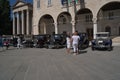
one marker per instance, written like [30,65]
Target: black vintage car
[102,41]
[56,41]
[40,40]
[28,43]
[84,41]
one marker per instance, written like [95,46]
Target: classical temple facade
[22,18]
[47,16]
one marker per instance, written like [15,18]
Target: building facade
[90,16]
[22,18]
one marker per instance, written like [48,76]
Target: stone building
[22,18]
[90,16]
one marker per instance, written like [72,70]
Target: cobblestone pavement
[55,64]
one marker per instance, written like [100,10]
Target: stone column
[56,28]
[18,23]
[44,26]
[13,23]
[94,27]
[28,29]
[73,26]
[23,31]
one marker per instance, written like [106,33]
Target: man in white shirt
[75,42]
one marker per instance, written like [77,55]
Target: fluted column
[28,29]
[13,23]
[23,23]
[94,27]
[18,23]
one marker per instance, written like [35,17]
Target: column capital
[73,22]
[27,12]
[55,23]
[94,20]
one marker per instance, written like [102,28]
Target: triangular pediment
[19,3]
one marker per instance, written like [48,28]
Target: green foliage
[5,21]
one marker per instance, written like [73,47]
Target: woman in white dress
[68,42]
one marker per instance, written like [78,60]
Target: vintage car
[56,41]
[28,44]
[84,42]
[8,40]
[102,41]
[27,41]
[40,40]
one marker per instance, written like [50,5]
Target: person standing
[1,42]
[68,43]
[75,41]
[14,41]
[7,44]
[18,43]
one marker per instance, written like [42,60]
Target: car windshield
[41,36]
[102,35]
[57,37]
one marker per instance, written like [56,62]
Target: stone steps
[116,39]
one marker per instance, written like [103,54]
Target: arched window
[108,29]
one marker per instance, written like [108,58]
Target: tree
[5,20]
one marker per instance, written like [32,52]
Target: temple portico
[22,18]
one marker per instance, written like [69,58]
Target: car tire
[109,48]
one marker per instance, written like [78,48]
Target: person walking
[75,41]
[18,43]
[68,43]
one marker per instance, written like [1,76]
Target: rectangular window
[64,3]
[38,3]
[49,2]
